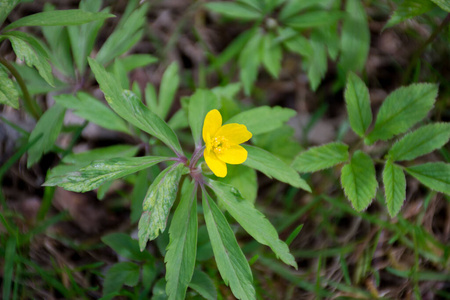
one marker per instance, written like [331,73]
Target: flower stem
[196,156]
[28,102]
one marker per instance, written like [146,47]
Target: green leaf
[263,119]
[203,285]
[200,103]
[101,154]
[293,7]
[59,18]
[249,61]
[33,56]
[444,4]
[8,266]
[272,54]
[129,107]
[244,179]
[234,10]
[420,142]
[92,110]
[119,274]
[96,173]
[48,127]
[272,166]
[134,61]
[314,19]
[321,157]
[402,109]
[359,180]
[157,204]
[407,10]
[252,220]
[6,6]
[125,246]
[296,43]
[8,92]
[182,248]
[394,187]
[231,262]
[436,175]
[355,37]
[317,63]
[167,90]
[357,101]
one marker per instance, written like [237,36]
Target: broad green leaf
[272,166]
[6,6]
[48,127]
[355,37]
[8,92]
[403,108]
[182,248]
[92,110]
[272,54]
[32,56]
[234,10]
[357,101]
[200,103]
[129,107]
[317,63]
[101,154]
[252,220]
[167,90]
[407,10]
[96,173]
[359,180]
[420,142]
[244,179]
[59,18]
[321,157]
[249,61]
[436,175]
[119,274]
[157,204]
[314,19]
[203,285]
[121,74]
[444,4]
[231,262]
[263,119]
[125,246]
[394,187]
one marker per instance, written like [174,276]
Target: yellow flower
[222,143]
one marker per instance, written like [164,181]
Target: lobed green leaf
[101,154]
[402,109]
[407,10]
[394,187]
[231,262]
[119,274]
[252,220]
[8,92]
[357,101]
[321,157]
[420,142]
[435,175]
[359,180]
[125,246]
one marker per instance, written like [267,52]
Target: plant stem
[28,102]
[196,156]
[420,50]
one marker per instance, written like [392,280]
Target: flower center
[220,144]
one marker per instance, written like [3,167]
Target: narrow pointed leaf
[252,220]
[359,181]
[128,106]
[231,262]
[444,4]
[314,19]
[358,104]
[394,187]
[182,249]
[407,10]
[169,86]
[6,6]
[321,157]
[8,92]
[402,109]
[157,204]
[263,119]
[272,166]
[420,142]
[203,284]
[436,175]
[200,103]
[234,10]
[96,173]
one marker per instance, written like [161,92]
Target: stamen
[220,144]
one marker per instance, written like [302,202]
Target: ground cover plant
[275,149]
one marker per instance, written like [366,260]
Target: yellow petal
[218,167]
[211,125]
[234,155]
[234,133]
